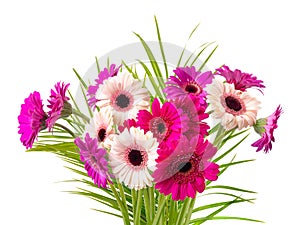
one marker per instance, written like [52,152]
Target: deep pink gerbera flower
[103,75]
[265,127]
[185,171]
[58,104]
[188,82]
[195,112]
[31,119]
[241,80]
[165,123]
[94,158]
[127,124]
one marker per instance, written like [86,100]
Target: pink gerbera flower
[185,171]
[95,160]
[265,127]
[32,119]
[188,82]
[241,80]
[103,75]
[195,112]
[165,123]
[59,105]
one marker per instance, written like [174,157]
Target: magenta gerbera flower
[95,160]
[165,123]
[103,75]
[59,105]
[241,80]
[31,119]
[195,112]
[188,82]
[265,127]
[183,174]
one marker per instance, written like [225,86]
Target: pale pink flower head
[265,127]
[188,82]
[185,172]
[124,95]
[103,75]
[132,157]
[58,104]
[32,119]
[94,158]
[241,80]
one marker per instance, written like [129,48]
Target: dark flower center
[135,157]
[233,103]
[101,134]
[161,127]
[191,88]
[122,101]
[184,167]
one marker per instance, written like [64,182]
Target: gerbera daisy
[195,112]
[101,127]
[265,127]
[166,123]
[184,172]
[125,95]
[132,156]
[127,124]
[241,80]
[94,158]
[234,107]
[59,105]
[103,75]
[188,82]
[32,119]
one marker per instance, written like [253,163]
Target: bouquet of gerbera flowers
[152,142]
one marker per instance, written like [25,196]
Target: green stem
[161,205]
[137,213]
[190,211]
[147,204]
[66,129]
[81,115]
[183,211]
[151,203]
[120,186]
[172,211]
[125,215]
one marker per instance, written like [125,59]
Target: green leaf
[236,163]
[226,218]
[80,79]
[97,64]
[208,57]
[229,188]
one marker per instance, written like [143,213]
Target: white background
[41,41]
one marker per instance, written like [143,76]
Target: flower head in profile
[188,82]
[165,122]
[103,75]
[32,119]
[125,95]
[132,157]
[94,158]
[58,104]
[241,80]
[101,127]
[234,107]
[183,174]
[265,127]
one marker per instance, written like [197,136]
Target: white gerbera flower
[101,127]
[132,156]
[125,95]
[234,107]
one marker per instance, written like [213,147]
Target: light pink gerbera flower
[59,105]
[125,95]
[265,127]
[101,127]
[234,107]
[103,75]
[241,80]
[188,82]
[183,174]
[94,158]
[132,157]
[165,123]
[32,119]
